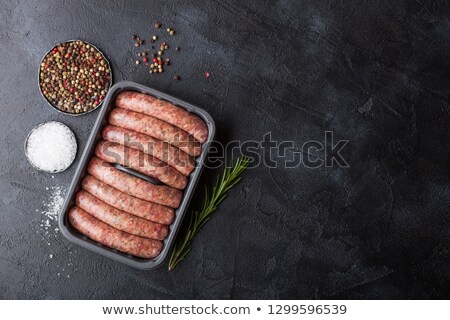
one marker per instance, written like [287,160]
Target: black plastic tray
[76,237]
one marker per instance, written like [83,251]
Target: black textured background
[375,72]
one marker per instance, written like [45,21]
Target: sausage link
[142,162]
[122,201]
[119,219]
[131,185]
[113,238]
[154,147]
[156,128]
[163,110]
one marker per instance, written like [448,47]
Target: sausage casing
[131,185]
[159,149]
[142,162]
[103,233]
[163,110]
[120,219]
[125,202]
[155,128]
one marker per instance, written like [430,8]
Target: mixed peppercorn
[154,54]
[155,57]
[74,77]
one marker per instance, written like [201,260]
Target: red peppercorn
[96,102]
[155,60]
[54,50]
[72,89]
[206,74]
[160,62]
[67,56]
[145,59]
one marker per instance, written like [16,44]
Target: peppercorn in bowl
[74,77]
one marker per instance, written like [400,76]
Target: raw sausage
[120,200]
[142,162]
[113,238]
[131,185]
[154,147]
[156,128]
[163,110]
[119,219]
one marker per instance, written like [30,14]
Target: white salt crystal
[51,147]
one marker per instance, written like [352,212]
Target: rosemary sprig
[229,178]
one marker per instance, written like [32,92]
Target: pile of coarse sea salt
[51,147]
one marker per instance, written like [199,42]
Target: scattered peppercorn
[155,62]
[74,77]
[206,74]
[138,41]
[177,77]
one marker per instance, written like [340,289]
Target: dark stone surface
[374,73]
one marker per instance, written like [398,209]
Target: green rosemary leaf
[229,178]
